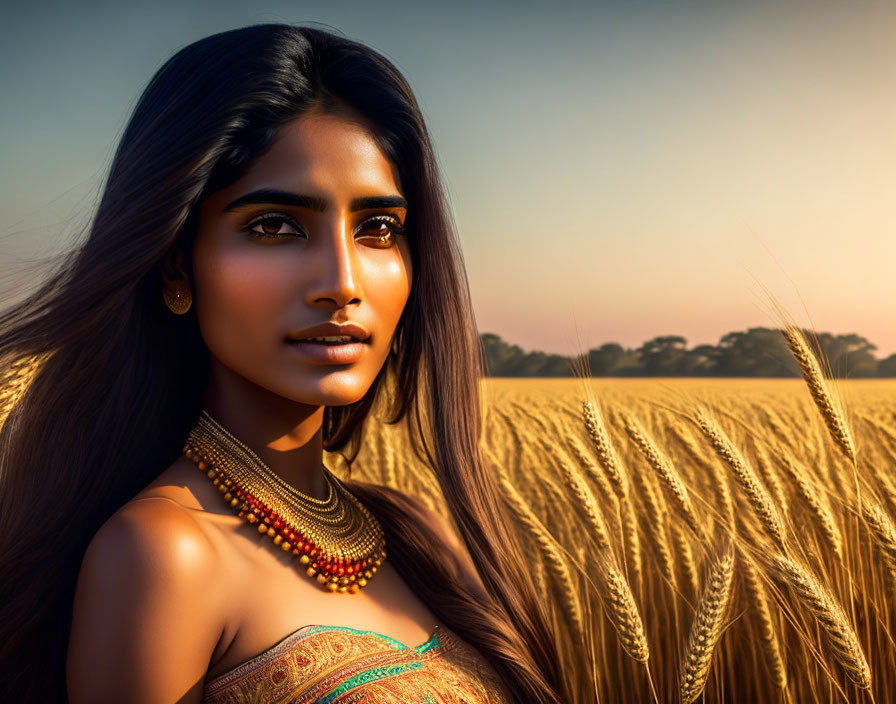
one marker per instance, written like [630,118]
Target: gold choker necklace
[338,538]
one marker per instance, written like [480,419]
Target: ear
[173,269]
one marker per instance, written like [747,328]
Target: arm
[144,624]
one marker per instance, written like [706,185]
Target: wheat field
[730,540]
[714,540]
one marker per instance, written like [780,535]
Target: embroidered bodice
[339,665]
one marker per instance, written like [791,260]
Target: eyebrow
[268,195]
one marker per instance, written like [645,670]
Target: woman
[274,184]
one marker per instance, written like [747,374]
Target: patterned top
[342,665]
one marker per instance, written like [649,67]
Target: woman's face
[310,234]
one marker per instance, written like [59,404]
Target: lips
[328,352]
[357,332]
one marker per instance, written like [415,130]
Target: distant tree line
[758,352]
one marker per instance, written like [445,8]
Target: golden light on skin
[250,293]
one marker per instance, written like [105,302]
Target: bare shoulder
[144,624]
[152,534]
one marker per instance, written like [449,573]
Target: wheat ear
[584,460]
[768,632]
[623,611]
[817,503]
[603,448]
[756,494]
[825,400]
[710,469]
[829,615]
[770,476]
[883,532]
[656,526]
[582,494]
[686,553]
[14,381]
[556,565]
[664,470]
[632,548]
[707,627]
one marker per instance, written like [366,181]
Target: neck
[287,436]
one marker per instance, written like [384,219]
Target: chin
[331,391]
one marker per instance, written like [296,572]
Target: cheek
[237,296]
[387,287]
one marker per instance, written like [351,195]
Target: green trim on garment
[377,673]
[422,648]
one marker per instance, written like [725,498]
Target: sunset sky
[617,171]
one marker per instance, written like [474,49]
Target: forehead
[324,153]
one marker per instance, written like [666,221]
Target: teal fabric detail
[431,643]
[422,648]
[376,673]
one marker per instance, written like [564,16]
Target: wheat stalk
[603,448]
[768,632]
[756,494]
[709,469]
[829,615]
[15,378]
[686,555]
[653,517]
[556,564]
[825,400]
[770,476]
[664,470]
[707,627]
[582,493]
[632,547]
[883,532]
[816,503]
[624,612]
[589,468]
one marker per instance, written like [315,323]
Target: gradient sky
[616,171]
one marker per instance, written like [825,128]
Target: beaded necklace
[337,538]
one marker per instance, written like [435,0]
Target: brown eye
[381,231]
[270,227]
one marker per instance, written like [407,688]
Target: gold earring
[178,297]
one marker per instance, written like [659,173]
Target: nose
[338,280]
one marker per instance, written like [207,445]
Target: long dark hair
[115,381]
